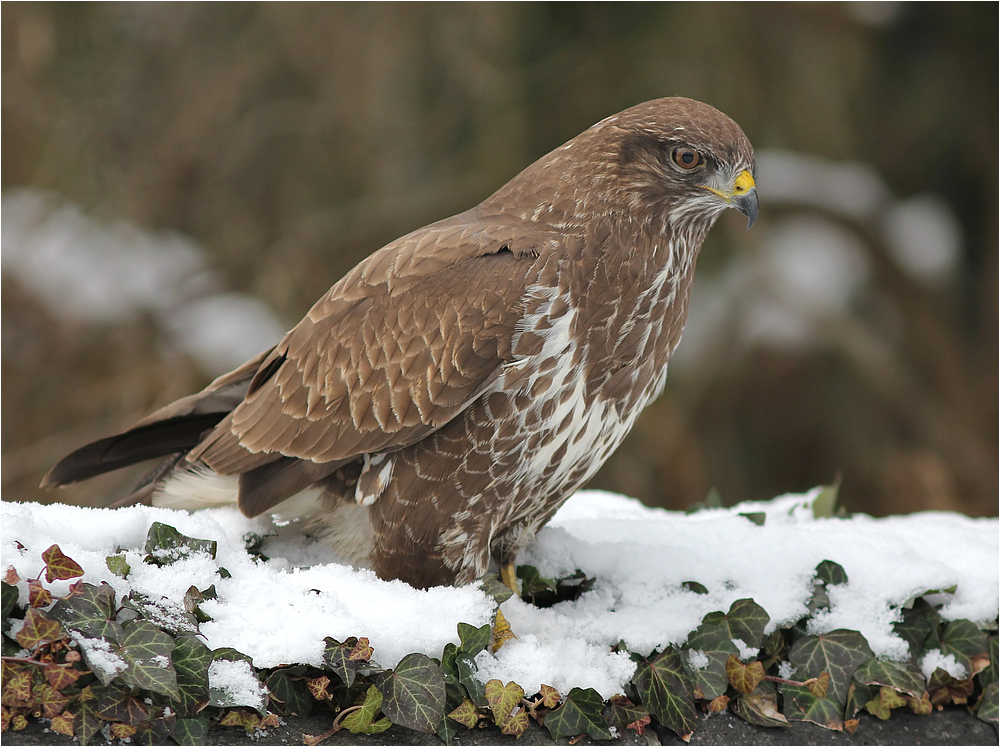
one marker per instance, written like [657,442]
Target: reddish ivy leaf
[317,687]
[63,724]
[819,685]
[37,629]
[11,577]
[122,731]
[58,566]
[639,726]
[550,696]
[362,651]
[51,701]
[38,595]
[17,685]
[504,701]
[60,677]
[718,705]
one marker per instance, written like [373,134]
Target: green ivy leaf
[989,704]
[454,703]
[191,731]
[825,504]
[745,620]
[467,670]
[87,722]
[802,705]
[90,611]
[695,587]
[533,583]
[156,731]
[362,721]
[858,697]
[146,651]
[967,644]
[902,676]
[755,517]
[292,695]
[191,660]
[473,639]
[710,681]
[760,707]
[162,613]
[623,714]
[494,587]
[118,565]
[414,693]
[165,545]
[913,629]
[58,566]
[944,689]
[831,573]
[8,596]
[838,652]
[665,690]
[347,658]
[580,713]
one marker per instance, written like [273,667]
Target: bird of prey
[433,410]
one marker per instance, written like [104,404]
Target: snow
[278,611]
[237,683]
[937,659]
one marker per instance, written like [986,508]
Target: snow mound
[279,610]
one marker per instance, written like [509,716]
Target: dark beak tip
[747,204]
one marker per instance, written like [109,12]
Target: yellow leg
[509,577]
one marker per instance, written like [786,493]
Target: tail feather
[158,439]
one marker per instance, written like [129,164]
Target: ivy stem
[313,740]
[783,681]
[20,660]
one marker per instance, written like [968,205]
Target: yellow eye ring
[687,158]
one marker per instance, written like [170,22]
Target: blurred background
[180,182]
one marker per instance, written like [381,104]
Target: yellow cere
[744,183]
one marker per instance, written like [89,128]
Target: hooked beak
[742,196]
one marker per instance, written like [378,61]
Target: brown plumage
[434,409]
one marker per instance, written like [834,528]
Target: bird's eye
[687,158]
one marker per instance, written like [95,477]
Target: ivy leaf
[38,595]
[191,731]
[755,517]
[362,721]
[550,696]
[473,639]
[533,583]
[760,708]
[802,705]
[819,685]
[665,691]
[317,687]
[17,685]
[58,566]
[118,565]
[165,545]
[745,620]
[913,629]
[8,595]
[580,713]
[292,695]
[345,659]
[414,693]
[146,651]
[825,504]
[494,587]
[831,573]
[91,611]
[62,676]
[717,645]
[838,652]
[967,644]
[38,629]
[51,701]
[467,670]
[191,660]
[87,722]
[881,705]
[901,676]
[116,703]
[695,587]
[466,714]
[944,689]
[63,724]
[989,704]
[623,714]
[857,698]
[744,677]
[156,731]
[503,700]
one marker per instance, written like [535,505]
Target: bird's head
[682,155]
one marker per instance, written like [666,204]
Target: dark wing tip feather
[137,445]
